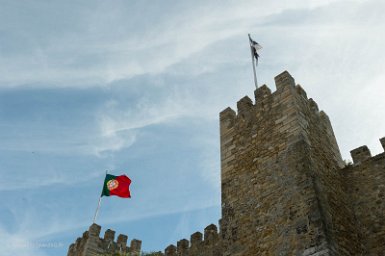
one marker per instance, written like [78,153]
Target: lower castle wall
[366,187]
[211,245]
[90,244]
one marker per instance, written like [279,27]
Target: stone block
[261,93]
[122,241]
[284,80]
[94,230]
[244,105]
[382,140]
[109,235]
[360,154]
[170,250]
[196,238]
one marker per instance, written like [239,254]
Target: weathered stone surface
[365,184]
[270,205]
[90,244]
[285,188]
[360,154]
[170,250]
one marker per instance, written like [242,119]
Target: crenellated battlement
[362,153]
[210,245]
[91,244]
[284,80]
[365,184]
[287,99]
[285,188]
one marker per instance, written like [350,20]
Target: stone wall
[269,201]
[282,188]
[285,188]
[325,164]
[90,244]
[365,183]
[209,246]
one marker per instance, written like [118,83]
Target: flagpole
[97,209]
[99,202]
[253,64]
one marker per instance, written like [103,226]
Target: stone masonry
[90,244]
[285,188]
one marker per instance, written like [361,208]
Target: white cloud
[86,57]
[19,244]
[40,179]
[334,54]
[117,119]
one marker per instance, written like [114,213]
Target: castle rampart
[285,188]
[209,246]
[365,183]
[90,244]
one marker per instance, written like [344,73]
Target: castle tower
[282,191]
[285,188]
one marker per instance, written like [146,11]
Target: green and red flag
[116,186]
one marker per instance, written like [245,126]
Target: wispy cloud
[88,53]
[138,86]
[40,179]
[20,244]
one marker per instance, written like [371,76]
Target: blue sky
[135,87]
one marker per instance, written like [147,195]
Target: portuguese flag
[117,186]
